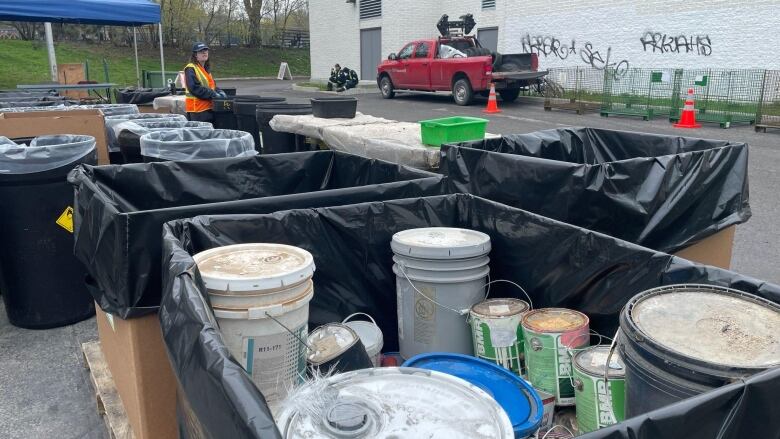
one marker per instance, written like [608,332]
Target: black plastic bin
[139,96]
[130,133]
[246,114]
[662,192]
[114,153]
[224,118]
[41,279]
[558,264]
[121,209]
[331,108]
[275,142]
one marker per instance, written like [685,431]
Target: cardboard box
[714,250]
[40,123]
[137,359]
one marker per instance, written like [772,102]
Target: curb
[255,78]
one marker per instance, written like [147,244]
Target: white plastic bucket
[369,334]
[260,295]
[440,274]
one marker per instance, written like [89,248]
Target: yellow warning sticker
[66,219]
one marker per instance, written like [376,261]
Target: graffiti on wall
[552,47]
[657,42]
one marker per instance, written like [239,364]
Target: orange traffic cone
[688,116]
[492,105]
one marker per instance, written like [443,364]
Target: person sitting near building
[335,81]
[349,78]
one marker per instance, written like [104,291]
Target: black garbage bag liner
[558,265]
[138,96]
[120,210]
[663,192]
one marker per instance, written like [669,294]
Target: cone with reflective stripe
[492,105]
[688,116]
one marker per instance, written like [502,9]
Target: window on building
[370,9]
[488,4]
[406,52]
[422,50]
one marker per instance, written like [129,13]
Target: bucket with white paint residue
[440,274]
[599,388]
[369,334]
[336,348]
[497,332]
[260,296]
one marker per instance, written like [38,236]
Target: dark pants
[203,116]
[350,84]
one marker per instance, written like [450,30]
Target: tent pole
[137,71]
[162,57]
[50,49]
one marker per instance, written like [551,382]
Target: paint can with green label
[551,336]
[599,403]
[497,332]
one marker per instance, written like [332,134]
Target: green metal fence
[577,89]
[721,96]
[640,92]
[769,105]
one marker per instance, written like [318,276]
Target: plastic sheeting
[176,104]
[141,127]
[132,95]
[111,121]
[369,136]
[43,154]
[106,109]
[193,144]
[663,192]
[120,210]
[558,264]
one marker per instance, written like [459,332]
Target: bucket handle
[402,267]
[491,282]
[359,314]
[557,426]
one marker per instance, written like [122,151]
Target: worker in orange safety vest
[199,85]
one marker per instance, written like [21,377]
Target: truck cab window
[422,50]
[406,52]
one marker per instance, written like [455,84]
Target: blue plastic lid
[518,399]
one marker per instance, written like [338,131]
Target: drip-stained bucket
[599,403]
[440,274]
[369,334]
[260,295]
[678,341]
[550,337]
[497,332]
[336,348]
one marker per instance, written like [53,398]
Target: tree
[254,12]
[27,30]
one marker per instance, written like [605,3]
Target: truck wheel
[386,86]
[462,92]
[509,94]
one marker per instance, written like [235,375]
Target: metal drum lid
[254,267]
[440,243]
[497,308]
[391,402]
[329,341]
[554,320]
[593,361]
[711,324]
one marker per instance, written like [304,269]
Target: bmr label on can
[551,337]
[497,332]
[599,403]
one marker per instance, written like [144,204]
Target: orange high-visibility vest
[192,103]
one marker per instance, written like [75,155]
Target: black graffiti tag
[596,60]
[548,46]
[663,43]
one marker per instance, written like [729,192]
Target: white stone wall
[676,33]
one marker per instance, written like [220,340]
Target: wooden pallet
[109,405]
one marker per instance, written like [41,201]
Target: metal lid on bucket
[593,361]
[393,402]
[440,243]
[329,341]
[254,267]
[554,320]
[497,308]
[711,324]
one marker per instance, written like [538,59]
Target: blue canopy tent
[102,12]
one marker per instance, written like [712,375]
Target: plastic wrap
[132,95]
[141,127]
[111,121]
[44,153]
[120,210]
[558,264]
[663,192]
[194,144]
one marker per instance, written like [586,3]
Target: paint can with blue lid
[518,399]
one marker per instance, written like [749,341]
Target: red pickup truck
[457,64]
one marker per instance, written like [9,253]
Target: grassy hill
[26,62]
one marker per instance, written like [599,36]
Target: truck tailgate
[519,76]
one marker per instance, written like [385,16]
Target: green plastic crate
[452,129]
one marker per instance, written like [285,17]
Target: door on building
[370,52]
[488,37]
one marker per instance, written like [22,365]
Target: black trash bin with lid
[138,96]
[224,118]
[195,144]
[41,279]
[246,110]
[343,107]
[115,155]
[129,133]
[274,142]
